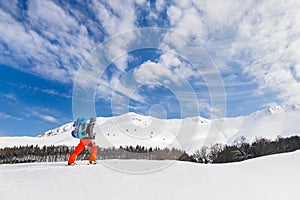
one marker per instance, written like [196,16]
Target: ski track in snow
[266,178]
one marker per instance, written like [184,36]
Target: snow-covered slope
[270,123]
[189,133]
[267,178]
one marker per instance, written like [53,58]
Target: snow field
[272,177]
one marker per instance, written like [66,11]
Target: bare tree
[202,155]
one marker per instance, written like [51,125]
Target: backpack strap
[82,131]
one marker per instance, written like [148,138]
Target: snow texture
[272,177]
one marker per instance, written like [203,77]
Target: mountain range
[188,134]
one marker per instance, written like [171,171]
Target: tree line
[241,150]
[31,153]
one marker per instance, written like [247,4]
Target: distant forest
[23,154]
[240,150]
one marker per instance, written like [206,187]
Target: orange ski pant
[83,143]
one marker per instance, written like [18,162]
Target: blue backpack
[80,128]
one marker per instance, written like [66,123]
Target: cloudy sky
[254,46]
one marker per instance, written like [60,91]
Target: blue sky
[254,45]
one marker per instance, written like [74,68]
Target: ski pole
[84,155]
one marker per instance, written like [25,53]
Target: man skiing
[87,138]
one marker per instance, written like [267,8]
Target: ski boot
[71,164]
[93,162]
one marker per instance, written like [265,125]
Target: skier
[88,139]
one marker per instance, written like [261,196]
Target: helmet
[92,119]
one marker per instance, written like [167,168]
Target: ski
[76,164]
[72,165]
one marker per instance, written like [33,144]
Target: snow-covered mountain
[275,121]
[188,134]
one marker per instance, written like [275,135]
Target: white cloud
[49,118]
[52,43]
[49,16]
[20,44]
[270,33]
[35,51]
[174,14]
[221,17]
[169,60]
[104,89]
[11,97]
[262,36]
[7,116]
[4,115]
[183,4]
[192,24]
[159,4]
[117,17]
[71,40]
[118,88]
[125,89]
[153,72]
[56,93]
[140,2]
[180,68]
[42,113]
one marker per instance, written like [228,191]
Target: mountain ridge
[188,133]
